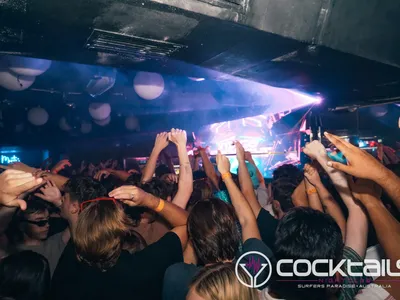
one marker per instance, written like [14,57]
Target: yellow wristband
[160,206]
[311,191]
[226,176]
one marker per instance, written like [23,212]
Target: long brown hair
[100,232]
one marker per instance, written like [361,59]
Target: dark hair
[304,233]
[162,170]
[157,188]
[34,205]
[282,190]
[84,188]
[111,182]
[134,179]
[201,190]
[213,231]
[289,171]
[25,275]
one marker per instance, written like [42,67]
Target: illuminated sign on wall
[9,159]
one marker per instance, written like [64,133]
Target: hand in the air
[161,141]
[311,174]
[102,173]
[223,164]
[314,150]
[13,183]
[359,163]
[50,193]
[130,195]
[240,153]
[170,178]
[178,137]
[61,166]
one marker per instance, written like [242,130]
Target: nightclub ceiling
[216,58]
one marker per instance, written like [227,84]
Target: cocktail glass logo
[254,264]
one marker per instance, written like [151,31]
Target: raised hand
[178,137]
[133,171]
[61,166]
[130,195]
[311,173]
[223,164]
[102,173]
[314,150]
[240,153]
[161,141]
[50,193]
[248,156]
[171,178]
[13,183]
[359,163]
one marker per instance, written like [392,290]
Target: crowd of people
[151,234]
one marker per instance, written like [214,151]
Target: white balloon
[28,66]
[100,111]
[64,125]
[131,123]
[148,86]
[15,82]
[86,127]
[38,116]
[104,122]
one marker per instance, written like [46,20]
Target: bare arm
[123,175]
[363,165]
[331,207]
[246,186]
[243,210]
[160,144]
[209,169]
[313,197]
[299,196]
[357,222]
[185,184]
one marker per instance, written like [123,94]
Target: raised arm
[246,186]
[311,177]
[185,184]
[357,222]
[243,210]
[209,168]
[160,144]
[329,204]
[363,165]
[122,175]
[176,216]
[260,178]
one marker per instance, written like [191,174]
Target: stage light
[361,144]
[196,79]
[318,100]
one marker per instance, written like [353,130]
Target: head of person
[253,175]
[201,190]
[24,275]
[304,233]
[282,191]
[32,223]
[111,182]
[212,229]
[100,233]
[162,170]
[219,282]
[289,171]
[157,188]
[77,190]
[134,179]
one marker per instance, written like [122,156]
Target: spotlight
[318,100]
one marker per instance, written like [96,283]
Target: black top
[179,276]
[267,225]
[135,276]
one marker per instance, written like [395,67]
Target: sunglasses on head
[85,203]
[41,223]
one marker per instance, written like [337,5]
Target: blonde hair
[100,232]
[219,282]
